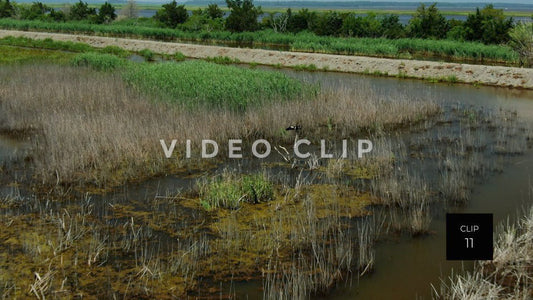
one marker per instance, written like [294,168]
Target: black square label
[469,237]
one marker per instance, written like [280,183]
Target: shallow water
[11,149]
[407,267]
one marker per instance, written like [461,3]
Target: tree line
[487,25]
[39,11]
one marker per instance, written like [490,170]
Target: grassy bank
[304,41]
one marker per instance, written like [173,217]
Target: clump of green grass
[223,60]
[402,74]
[257,188]
[116,51]
[309,68]
[228,191]
[202,84]
[97,61]
[178,56]
[147,54]
[452,79]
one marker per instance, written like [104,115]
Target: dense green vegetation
[39,11]
[522,43]
[100,62]
[303,41]
[199,83]
[195,84]
[427,34]
[487,25]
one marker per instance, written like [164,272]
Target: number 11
[469,242]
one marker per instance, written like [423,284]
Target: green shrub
[178,56]
[97,61]
[522,43]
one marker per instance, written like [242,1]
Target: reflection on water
[11,148]
[490,97]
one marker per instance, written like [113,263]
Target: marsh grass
[229,191]
[48,44]
[472,146]
[98,62]
[17,55]
[196,84]
[309,68]
[91,127]
[223,60]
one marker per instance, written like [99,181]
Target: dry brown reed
[91,127]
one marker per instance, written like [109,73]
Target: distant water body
[379,5]
[469,5]
[404,18]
